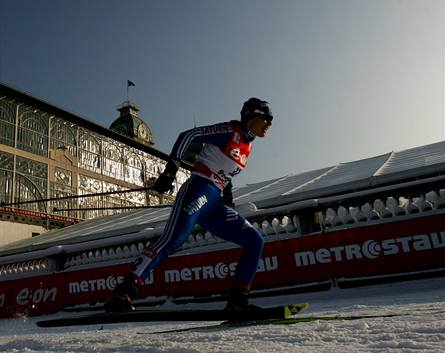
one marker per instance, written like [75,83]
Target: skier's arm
[217,134]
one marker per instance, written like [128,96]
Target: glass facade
[47,156]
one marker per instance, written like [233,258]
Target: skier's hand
[227,195]
[164,183]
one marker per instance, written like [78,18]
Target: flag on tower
[129,83]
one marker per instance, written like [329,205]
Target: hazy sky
[347,79]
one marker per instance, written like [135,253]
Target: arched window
[31,183]
[88,185]
[134,169]
[6,176]
[89,151]
[112,160]
[7,122]
[33,131]
[63,186]
[63,135]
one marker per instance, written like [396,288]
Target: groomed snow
[423,330]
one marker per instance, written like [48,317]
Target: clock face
[142,131]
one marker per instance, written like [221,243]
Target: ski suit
[199,201]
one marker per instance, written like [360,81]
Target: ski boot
[121,300]
[238,300]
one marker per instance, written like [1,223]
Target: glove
[165,181]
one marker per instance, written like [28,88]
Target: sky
[346,79]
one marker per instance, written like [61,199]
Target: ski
[249,314]
[285,321]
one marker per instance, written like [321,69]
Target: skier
[206,199]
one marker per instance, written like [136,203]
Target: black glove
[227,195]
[165,181]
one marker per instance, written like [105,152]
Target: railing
[299,219]
[384,209]
[34,267]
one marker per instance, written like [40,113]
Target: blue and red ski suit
[199,201]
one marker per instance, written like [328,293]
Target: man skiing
[206,199]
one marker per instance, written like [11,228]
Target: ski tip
[293,309]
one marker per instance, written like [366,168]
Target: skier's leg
[176,231]
[229,225]
[178,227]
[192,204]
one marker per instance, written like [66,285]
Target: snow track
[422,330]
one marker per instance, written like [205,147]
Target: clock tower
[129,124]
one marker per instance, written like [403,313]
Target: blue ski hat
[255,107]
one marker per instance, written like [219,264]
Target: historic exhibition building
[49,153]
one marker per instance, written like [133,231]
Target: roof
[387,169]
[74,118]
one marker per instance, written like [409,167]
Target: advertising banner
[385,248]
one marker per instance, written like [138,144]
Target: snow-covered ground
[423,330]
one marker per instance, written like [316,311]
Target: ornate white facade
[48,153]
